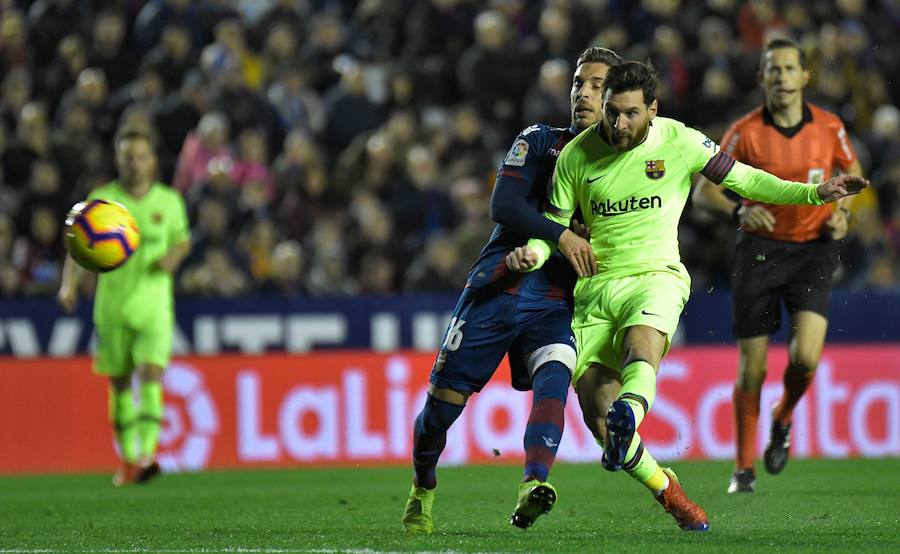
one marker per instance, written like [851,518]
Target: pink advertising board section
[349,408]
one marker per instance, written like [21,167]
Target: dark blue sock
[545,424]
[430,437]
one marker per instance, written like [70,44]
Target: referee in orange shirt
[784,253]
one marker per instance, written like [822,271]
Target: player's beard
[626,141]
[135,181]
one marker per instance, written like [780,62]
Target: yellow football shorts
[605,308]
[121,348]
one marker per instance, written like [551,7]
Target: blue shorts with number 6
[485,326]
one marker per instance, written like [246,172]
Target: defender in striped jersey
[499,312]
[631,175]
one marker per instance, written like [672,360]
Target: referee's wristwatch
[736,212]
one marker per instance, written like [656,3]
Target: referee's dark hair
[597,54]
[779,43]
[632,75]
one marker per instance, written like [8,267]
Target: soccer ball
[101,235]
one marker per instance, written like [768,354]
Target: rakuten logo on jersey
[609,208]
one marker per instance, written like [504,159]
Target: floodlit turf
[850,505]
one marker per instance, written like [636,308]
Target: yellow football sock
[150,417]
[638,388]
[643,467]
[122,416]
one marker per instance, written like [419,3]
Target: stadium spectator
[213,229]
[51,20]
[547,100]
[109,53]
[202,150]
[306,194]
[71,59]
[16,91]
[14,51]
[278,51]
[297,104]
[9,275]
[44,190]
[38,255]
[348,111]
[180,112]
[328,272]
[229,35]
[215,274]
[146,91]
[257,243]
[287,12]
[173,57]
[156,15]
[69,142]
[92,90]
[377,274]
[326,39]
[32,141]
[438,268]
[492,74]
[286,275]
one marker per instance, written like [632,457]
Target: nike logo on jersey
[645,312]
[550,442]
[597,178]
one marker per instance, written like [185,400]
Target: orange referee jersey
[807,153]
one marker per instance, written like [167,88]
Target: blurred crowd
[342,147]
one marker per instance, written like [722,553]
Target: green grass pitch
[814,506]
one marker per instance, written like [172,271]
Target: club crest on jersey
[517,153]
[655,169]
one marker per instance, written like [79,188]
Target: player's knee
[149,372]
[551,368]
[451,396]
[752,370]
[751,379]
[120,384]
[438,415]
[804,362]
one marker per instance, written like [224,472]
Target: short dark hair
[134,133]
[597,54]
[632,75]
[778,43]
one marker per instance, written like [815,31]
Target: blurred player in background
[134,306]
[631,176]
[784,253]
[528,316]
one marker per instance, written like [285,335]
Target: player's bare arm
[173,258]
[579,253]
[72,274]
[525,258]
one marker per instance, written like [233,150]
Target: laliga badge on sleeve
[517,153]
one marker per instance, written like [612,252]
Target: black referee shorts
[767,271]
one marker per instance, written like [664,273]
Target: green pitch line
[814,506]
